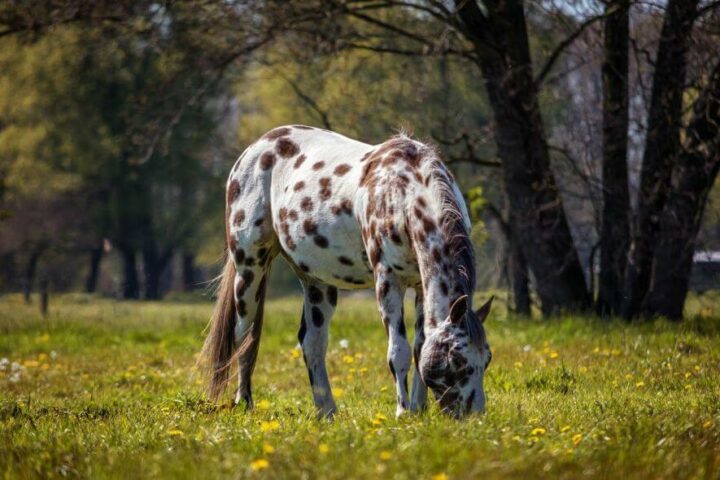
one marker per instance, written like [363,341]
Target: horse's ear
[483,311]
[459,309]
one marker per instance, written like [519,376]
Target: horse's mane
[455,232]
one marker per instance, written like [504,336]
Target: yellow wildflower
[707,424]
[640,384]
[263,404]
[538,431]
[554,355]
[439,476]
[259,464]
[385,455]
[577,438]
[174,432]
[42,357]
[31,363]
[338,392]
[43,338]
[518,364]
[323,448]
[295,353]
[348,359]
[267,448]
[564,429]
[269,426]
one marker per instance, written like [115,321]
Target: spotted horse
[348,215]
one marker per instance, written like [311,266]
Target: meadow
[107,389]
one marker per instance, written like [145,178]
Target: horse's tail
[217,352]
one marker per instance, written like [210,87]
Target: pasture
[106,389]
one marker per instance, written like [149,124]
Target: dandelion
[554,355]
[518,364]
[270,426]
[385,455]
[323,448]
[577,438]
[564,429]
[259,464]
[267,448]
[174,432]
[348,359]
[439,476]
[31,363]
[338,392]
[42,357]
[263,404]
[640,384]
[344,343]
[538,431]
[295,353]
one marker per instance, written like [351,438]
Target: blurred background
[583,134]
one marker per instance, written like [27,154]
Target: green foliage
[567,398]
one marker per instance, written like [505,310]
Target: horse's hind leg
[418,393]
[253,250]
[250,285]
[318,308]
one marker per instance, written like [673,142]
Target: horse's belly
[329,249]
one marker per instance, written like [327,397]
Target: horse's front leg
[418,395]
[390,295]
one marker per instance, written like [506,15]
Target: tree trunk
[519,280]
[154,264]
[661,148]
[131,287]
[538,220]
[680,222]
[30,270]
[96,255]
[615,228]
[188,272]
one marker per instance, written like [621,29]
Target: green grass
[108,391]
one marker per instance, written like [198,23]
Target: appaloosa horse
[349,215]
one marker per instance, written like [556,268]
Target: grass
[107,390]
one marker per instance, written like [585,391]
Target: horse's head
[454,358]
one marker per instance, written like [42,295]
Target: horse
[348,215]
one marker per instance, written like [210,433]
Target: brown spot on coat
[321,241]
[299,186]
[345,260]
[283,214]
[318,165]
[342,169]
[239,217]
[309,226]
[315,295]
[299,161]
[332,295]
[267,160]
[306,204]
[276,133]
[286,148]
[293,215]
[233,191]
[325,191]
[317,317]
